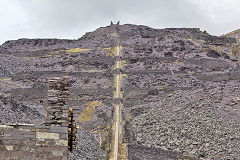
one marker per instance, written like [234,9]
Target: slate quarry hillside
[181,97]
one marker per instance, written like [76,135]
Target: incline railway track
[117,109]
[117,146]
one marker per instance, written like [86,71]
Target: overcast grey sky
[73,18]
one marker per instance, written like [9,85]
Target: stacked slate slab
[57,107]
[49,140]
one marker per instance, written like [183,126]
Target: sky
[71,19]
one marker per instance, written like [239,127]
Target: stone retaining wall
[47,141]
[33,142]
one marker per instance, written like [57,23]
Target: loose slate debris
[178,96]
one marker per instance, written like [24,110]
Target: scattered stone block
[46,135]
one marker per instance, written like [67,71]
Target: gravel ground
[194,122]
[87,148]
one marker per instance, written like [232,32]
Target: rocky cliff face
[181,97]
[235,34]
[235,46]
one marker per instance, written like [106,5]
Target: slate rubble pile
[181,94]
[87,148]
